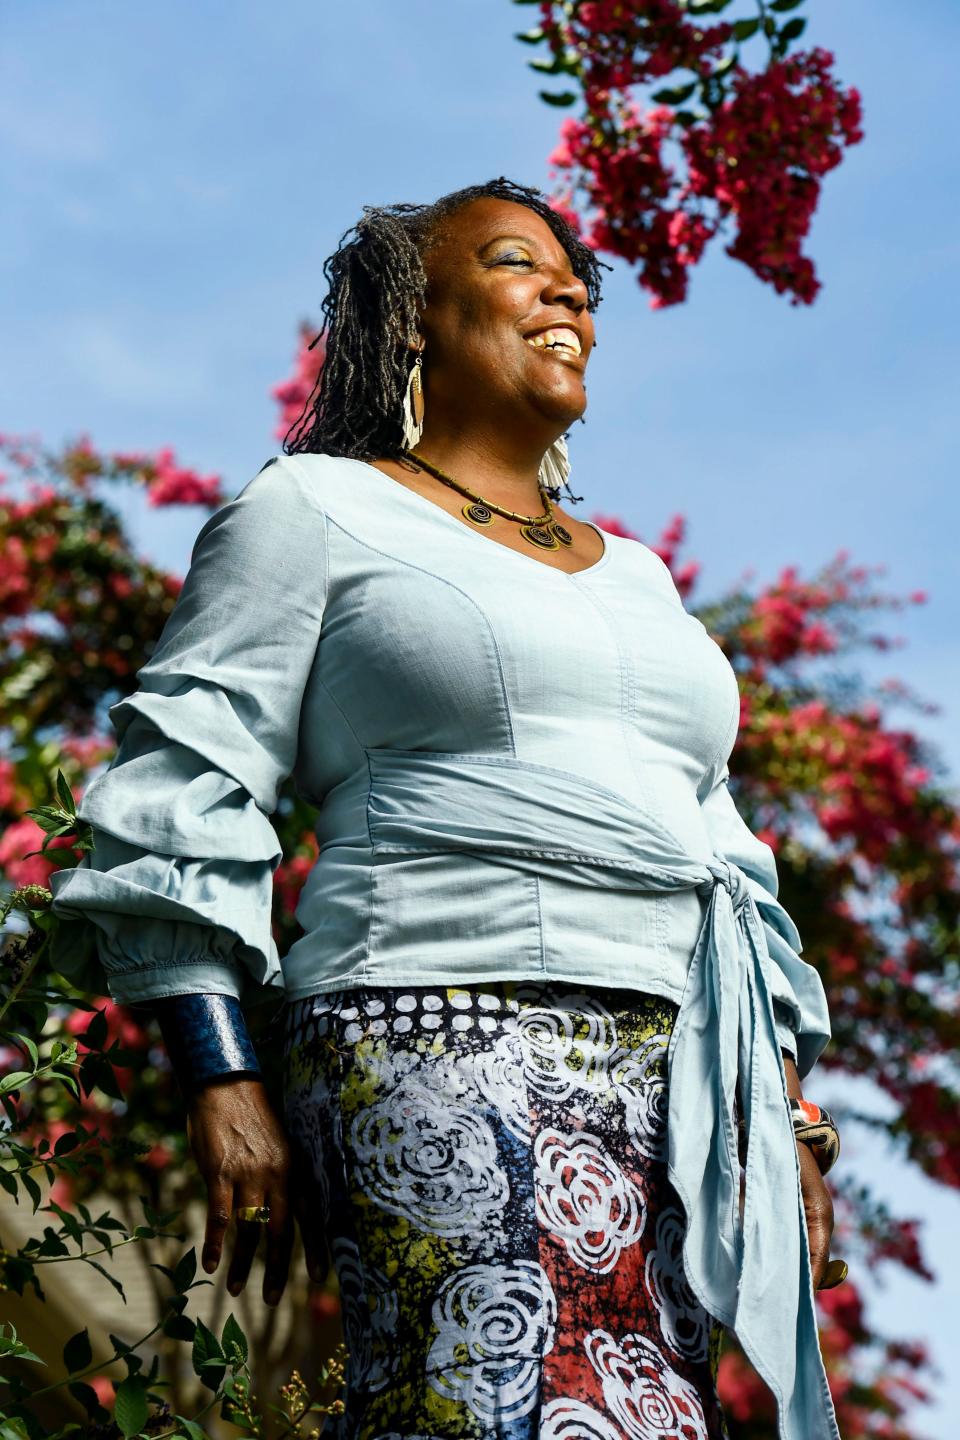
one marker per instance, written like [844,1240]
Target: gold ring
[260,1214]
[835,1274]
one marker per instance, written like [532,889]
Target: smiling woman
[544,973]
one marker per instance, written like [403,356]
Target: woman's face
[497,278]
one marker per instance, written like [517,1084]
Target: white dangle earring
[413,405]
[555,466]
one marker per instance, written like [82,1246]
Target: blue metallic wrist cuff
[206,1036]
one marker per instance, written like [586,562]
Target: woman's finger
[834,1275]
[219,1198]
[279,1246]
[310,1219]
[818,1208]
[246,1240]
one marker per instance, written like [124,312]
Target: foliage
[721,145]
[79,1156]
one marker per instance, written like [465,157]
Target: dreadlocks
[377,290]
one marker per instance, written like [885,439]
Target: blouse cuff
[206,1037]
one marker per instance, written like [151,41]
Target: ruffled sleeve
[799,1001]
[179,884]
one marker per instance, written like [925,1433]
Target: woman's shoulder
[295,479]
[278,518]
[332,486]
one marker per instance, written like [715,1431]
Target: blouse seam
[310,488]
[484,618]
[626,690]
[364,963]
[203,958]
[401,979]
[536,852]
[543,954]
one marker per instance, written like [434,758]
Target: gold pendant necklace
[540,530]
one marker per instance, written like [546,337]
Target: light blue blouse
[519,773]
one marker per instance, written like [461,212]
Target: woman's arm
[238,1142]
[799,1002]
[206,1038]
[817,1201]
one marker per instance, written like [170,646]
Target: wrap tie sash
[753,1272]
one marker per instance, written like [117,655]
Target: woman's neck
[496,469]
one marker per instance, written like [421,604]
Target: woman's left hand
[818,1208]
[817,1200]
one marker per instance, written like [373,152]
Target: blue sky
[174,176]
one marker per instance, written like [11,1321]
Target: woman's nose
[566,289]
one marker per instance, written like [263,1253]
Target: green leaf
[32,1189]
[782,6]
[556,65]
[233,1335]
[206,1347]
[96,1073]
[30,1048]
[190,1427]
[565,97]
[674,94]
[8,1183]
[88,1398]
[529,37]
[179,1327]
[69,1222]
[52,1244]
[186,1269]
[96,1032]
[130,1410]
[106,1221]
[13,1428]
[212,1374]
[743,29]
[12,1345]
[107,1276]
[69,1140]
[65,794]
[792,30]
[13,1081]
[78,1353]
[208,1358]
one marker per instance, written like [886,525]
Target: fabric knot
[731,877]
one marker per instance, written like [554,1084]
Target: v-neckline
[419,499]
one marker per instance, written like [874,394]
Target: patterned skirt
[490,1167]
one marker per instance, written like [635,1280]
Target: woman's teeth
[559,339]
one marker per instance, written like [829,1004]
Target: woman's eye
[514,260]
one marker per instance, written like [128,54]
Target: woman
[535,903]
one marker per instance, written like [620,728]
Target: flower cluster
[761,158]
[293,393]
[657,182]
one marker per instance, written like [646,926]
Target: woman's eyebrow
[499,239]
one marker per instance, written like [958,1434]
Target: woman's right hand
[244,1156]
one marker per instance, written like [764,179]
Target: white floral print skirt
[490,1164]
